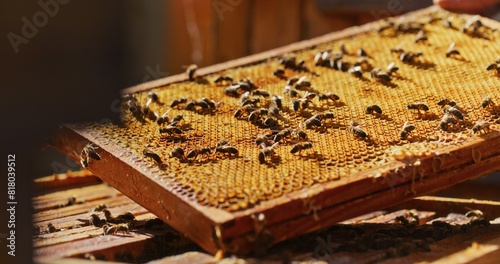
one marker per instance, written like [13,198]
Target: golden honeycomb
[236,182]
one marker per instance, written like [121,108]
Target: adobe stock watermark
[393,8]
[116,108]
[223,6]
[154,74]
[30,27]
[323,248]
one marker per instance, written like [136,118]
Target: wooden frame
[306,210]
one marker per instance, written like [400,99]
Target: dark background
[73,69]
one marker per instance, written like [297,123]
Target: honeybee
[152,97]
[233,91]
[363,63]
[170,129]
[446,120]
[193,104]
[356,71]
[301,103]
[312,121]
[163,119]
[452,51]
[299,133]
[198,151]
[107,215]
[249,83]
[448,23]
[380,75]
[280,135]
[494,66]
[302,83]
[420,36]
[89,152]
[292,81]
[222,79]
[227,150]
[262,139]
[256,114]
[240,112]
[113,229]
[133,104]
[361,52]
[266,151]
[176,119]
[224,147]
[335,62]
[177,152]
[446,101]
[454,111]
[419,106]
[270,122]
[250,101]
[397,50]
[406,130]
[343,49]
[280,73]
[321,57]
[356,129]
[309,96]
[373,109]
[151,154]
[203,103]
[324,115]
[392,68]
[472,25]
[409,57]
[487,101]
[342,65]
[179,101]
[475,214]
[51,228]
[288,60]
[262,93]
[211,103]
[276,100]
[191,70]
[274,110]
[480,125]
[301,146]
[95,220]
[290,91]
[100,207]
[126,217]
[329,96]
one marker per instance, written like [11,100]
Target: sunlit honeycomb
[235,182]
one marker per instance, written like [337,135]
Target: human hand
[467,6]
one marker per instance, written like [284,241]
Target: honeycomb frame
[360,175]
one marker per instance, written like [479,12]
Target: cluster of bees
[264,110]
[110,224]
[223,147]
[405,236]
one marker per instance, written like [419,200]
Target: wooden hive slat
[311,208]
[85,241]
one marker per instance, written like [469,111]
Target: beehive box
[244,201]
